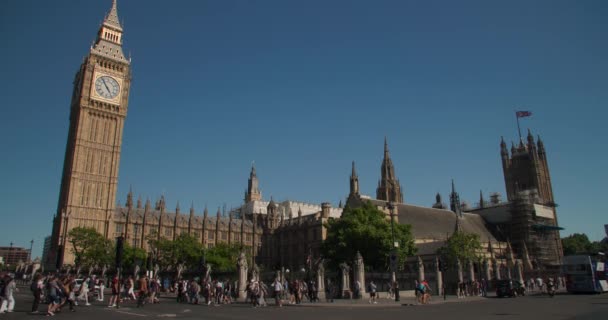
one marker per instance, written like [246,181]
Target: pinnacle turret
[503,148]
[111,19]
[455,201]
[389,188]
[130,199]
[354,181]
[253,192]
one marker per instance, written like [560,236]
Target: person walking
[143,291]
[372,292]
[115,292]
[55,295]
[102,287]
[84,292]
[278,289]
[37,286]
[68,284]
[8,301]
[131,288]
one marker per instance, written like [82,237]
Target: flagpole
[518,129]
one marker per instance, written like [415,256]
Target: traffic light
[119,251]
[59,261]
[149,262]
[202,262]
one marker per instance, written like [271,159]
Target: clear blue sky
[305,87]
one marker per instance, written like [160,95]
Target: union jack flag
[523,114]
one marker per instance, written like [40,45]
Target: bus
[585,273]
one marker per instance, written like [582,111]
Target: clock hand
[105,84]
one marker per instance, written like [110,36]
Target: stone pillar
[420,269]
[471,271]
[497,270]
[459,266]
[345,280]
[359,273]
[321,280]
[486,268]
[518,272]
[439,276]
[242,269]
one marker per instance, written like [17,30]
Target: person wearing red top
[115,292]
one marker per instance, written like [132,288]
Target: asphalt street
[562,306]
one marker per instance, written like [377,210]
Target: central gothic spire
[389,188]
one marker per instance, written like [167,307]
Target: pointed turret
[111,19]
[386,156]
[513,149]
[530,138]
[253,192]
[191,218]
[109,37]
[354,181]
[541,146]
[503,148]
[455,201]
[161,203]
[389,188]
[271,209]
[482,202]
[139,202]
[218,214]
[129,203]
[175,221]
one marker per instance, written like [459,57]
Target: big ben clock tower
[97,115]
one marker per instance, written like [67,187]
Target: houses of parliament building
[276,233]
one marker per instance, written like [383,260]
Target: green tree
[86,242]
[133,255]
[577,243]
[461,246]
[102,254]
[185,251]
[223,257]
[367,230]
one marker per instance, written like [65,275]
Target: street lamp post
[29,258]
[394,257]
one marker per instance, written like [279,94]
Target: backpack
[421,287]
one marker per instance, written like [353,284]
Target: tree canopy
[89,247]
[188,252]
[579,243]
[185,250]
[223,257]
[366,229]
[461,246]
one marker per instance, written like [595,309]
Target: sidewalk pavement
[385,302]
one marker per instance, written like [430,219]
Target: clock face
[107,87]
